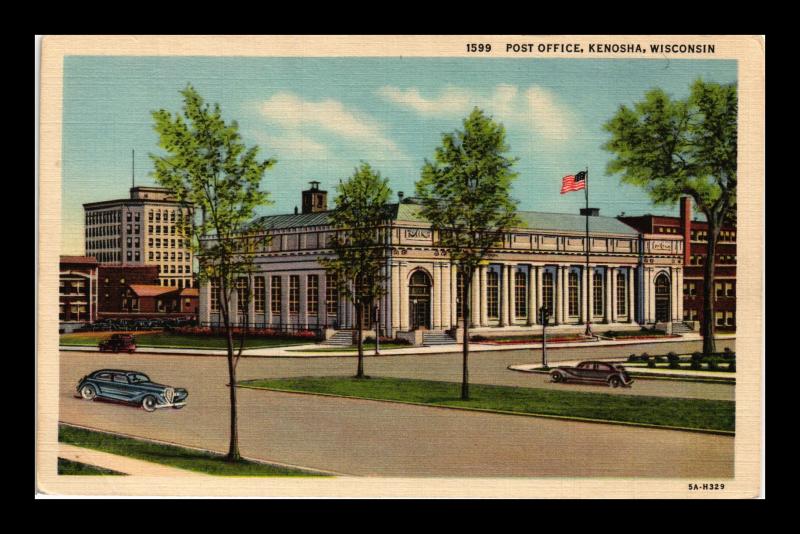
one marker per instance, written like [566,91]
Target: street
[360,437]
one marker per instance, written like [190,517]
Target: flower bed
[656,336]
[523,341]
[204,331]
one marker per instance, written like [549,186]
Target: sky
[319,117]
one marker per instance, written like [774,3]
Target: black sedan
[593,372]
[131,387]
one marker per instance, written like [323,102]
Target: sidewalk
[297,351]
[121,464]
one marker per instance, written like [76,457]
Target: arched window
[597,293]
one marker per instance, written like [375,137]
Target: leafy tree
[674,148]
[208,167]
[465,195]
[359,265]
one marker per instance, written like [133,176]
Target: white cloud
[292,146]
[536,108]
[331,116]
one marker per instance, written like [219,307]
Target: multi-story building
[142,230]
[632,279]
[77,292]
[694,234]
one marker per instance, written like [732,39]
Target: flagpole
[588,274]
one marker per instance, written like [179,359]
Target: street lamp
[544,316]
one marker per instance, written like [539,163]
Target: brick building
[77,291]
[694,234]
[136,292]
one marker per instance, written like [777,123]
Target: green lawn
[171,455]
[368,347]
[68,467]
[532,338]
[182,341]
[686,413]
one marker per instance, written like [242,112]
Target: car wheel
[556,377]
[149,403]
[88,392]
[614,382]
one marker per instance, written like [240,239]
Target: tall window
[521,294]
[331,295]
[547,291]
[241,295]
[459,294]
[275,291]
[260,296]
[214,295]
[312,295]
[597,292]
[622,308]
[294,294]
[492,294]
[574,299]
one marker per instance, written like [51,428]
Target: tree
[359,265]
[674,148]
[465,195]
[208,167]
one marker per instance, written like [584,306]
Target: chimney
[400,197]
[295,210]
[686,225]
[314,199]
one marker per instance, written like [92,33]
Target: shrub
[732,366]
[712,364]
[660,359]
[478,338]
[633,358]
[697,356]
[728,354]
[651,363]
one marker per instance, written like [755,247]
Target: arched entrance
[419,300]
[662,299]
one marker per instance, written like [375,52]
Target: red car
[594,372]
[118,343]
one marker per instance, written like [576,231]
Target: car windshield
[136,378]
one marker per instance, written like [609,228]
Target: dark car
[594,372]
[131,387]
[118,343]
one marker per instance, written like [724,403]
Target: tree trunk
[360,341]
[707,325]
[465,298]
[233,447]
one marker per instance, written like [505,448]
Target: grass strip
[68,467]
[171,455]
[701,414]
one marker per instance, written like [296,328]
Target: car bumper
[171,404]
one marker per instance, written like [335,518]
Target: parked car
[595,372]
[131,387]
[118,343]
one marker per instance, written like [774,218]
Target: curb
[308,470]
[503,412]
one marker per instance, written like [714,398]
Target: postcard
[474,266]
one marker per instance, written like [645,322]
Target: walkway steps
[436,338]
[342,338]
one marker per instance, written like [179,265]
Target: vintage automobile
[595,372]
[131,387]
[118,343]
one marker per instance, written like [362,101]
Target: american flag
[574,182]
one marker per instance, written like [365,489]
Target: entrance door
[419,296]
[662,299]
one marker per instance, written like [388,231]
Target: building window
[214,295]
[720,318]
[312,295]
[137,256]
[730,318]
[492,294]
[241,295]
[294,294]
[331,294]
[260,294]
[718,289]
[572,287]
[275,297]
[622,303]
[547,291]
[129,255]
[597,293]
[521,294]
[730,289]
[459,295]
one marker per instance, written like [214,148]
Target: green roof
[533,220]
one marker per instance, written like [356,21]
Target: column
[403,297]
[539,301]
[395,297]
[322,311]
[532,302]
[679,276]
[284,299]
[648,295]
[590,292]
[475,302]
[565,293]
[302,316]
[613,278]
[251,308]
[436,297]
[453,295]
[482,293]
[631,295]
[503,295]
[673,301]
[607,293]
[447,300]
[512,296]
[582,285]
